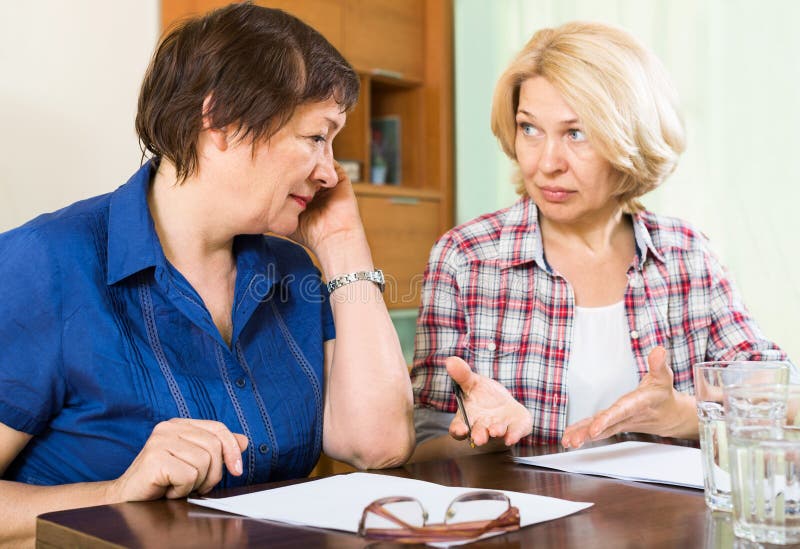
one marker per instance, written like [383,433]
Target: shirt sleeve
[441,328]
[32,386]
[430,423]
[733,333]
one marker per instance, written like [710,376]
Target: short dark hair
[257,64]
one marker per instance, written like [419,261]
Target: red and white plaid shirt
[491,298]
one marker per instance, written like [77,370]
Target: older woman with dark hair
[575,314]
[154,342]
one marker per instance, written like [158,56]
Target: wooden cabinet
[406,226]
[386,37]
[324,15]
[403,52]
[327,16]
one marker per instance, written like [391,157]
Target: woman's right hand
[181,456]
[331,215]
[492,411]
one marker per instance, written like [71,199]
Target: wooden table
[625,514]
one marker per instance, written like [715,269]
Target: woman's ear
[218,136]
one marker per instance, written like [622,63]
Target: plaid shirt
[491,298]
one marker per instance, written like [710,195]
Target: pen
[460,401]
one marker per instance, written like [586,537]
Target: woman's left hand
[331,215]
[654,407]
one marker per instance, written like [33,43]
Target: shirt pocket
[492,353]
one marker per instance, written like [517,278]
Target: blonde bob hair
[620,92]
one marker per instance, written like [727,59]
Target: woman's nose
[552,159]
[325,172]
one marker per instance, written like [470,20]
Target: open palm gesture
[492,411]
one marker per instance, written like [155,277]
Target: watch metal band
[375,276]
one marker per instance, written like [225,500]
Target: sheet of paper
[337,502]
[632,460]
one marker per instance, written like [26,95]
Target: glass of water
[763,424]
[709,380]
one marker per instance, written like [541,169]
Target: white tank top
[601,366]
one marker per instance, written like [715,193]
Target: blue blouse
[101,339]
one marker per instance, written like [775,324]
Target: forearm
[20,504]
[368,404]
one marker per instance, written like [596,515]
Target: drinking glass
[718,530]
[764,443]
[709,380]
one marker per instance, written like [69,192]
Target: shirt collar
[132,241]
[644,242]
[521,239]
[133,244]
[256,266]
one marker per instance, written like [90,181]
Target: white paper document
[337,502]
[632,460]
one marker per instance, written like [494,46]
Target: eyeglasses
[403,519]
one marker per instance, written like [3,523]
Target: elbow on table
[382,460]
[392,450]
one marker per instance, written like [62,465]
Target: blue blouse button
[263,448]
[240,383]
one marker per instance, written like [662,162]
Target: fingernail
[238,467]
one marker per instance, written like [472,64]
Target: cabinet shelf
[385,97]
[380,77]
[400,191]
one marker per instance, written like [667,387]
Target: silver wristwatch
[375,276]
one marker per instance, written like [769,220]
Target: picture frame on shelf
[385,150]
[352,168]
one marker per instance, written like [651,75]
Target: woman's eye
[528,129]
[577,135]
[318,139]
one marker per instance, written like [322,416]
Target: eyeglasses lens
[475,510]
[410,512]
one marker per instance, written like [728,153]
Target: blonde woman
[576,314]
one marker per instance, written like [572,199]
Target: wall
[736,68]
[71,73]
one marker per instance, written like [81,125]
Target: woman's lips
[556,194]
[301,200]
